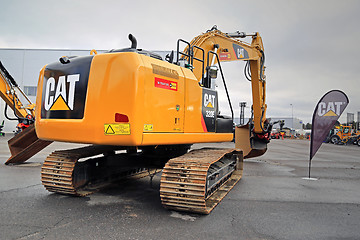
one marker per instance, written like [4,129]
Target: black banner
[327,112]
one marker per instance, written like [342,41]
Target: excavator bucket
[24,145]
[249,146]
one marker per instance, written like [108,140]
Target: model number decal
[209,109]
[210,114]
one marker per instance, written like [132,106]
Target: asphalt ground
[271,201]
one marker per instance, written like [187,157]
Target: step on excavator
[25,143]
[141,113]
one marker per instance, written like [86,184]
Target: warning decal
[225,56]
[148,127]
[117,129]
[165,84]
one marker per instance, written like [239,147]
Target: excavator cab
[252,142]
[214,121]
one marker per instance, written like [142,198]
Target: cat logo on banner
[326,113]
[330,109]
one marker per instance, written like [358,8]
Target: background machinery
[25,143]
[278,133]
[141,112]
[344,135]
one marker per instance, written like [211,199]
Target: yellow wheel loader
[345,135]
[140,113]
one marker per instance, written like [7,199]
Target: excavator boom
[252,137]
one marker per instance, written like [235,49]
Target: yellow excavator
[140,113]
[25,143]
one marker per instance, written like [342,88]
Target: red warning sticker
[225,56]
[165,84]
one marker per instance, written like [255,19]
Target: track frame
[184,180]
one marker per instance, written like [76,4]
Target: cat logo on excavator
[64,89]
[209,100]
[57,96]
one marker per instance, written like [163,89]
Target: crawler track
[194,182]
[62,173]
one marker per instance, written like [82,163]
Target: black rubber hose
[5,113]
[262,64]
[247,72]
[17,117]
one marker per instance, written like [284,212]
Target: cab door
[163,97]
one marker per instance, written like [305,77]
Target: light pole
[242,115]
[292,116]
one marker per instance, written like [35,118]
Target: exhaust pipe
[133,41]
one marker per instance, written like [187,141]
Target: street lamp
[292,116]
[242,105]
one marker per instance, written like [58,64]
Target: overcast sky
[311,46]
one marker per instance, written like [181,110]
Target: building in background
[350,118]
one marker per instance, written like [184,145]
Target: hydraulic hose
[18,118]
[5,113]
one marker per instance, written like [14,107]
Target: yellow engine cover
[127,99]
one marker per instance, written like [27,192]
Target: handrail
[223,78]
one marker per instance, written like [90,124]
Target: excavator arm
[225,47]
[24,144]
[9,90]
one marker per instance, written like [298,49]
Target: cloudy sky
[311,46]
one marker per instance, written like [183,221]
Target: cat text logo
[60,95]
[330,109]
